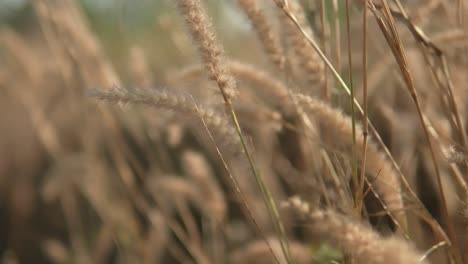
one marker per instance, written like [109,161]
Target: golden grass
[106,161]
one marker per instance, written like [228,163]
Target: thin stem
[364,98]
[267,196]
[353,118]
[236,187]
[325,44]
[337,33]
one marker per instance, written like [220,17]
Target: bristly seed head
[211,53]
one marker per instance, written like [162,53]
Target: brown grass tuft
[362,243]
[211,53]
[336,129]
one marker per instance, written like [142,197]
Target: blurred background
[152,25]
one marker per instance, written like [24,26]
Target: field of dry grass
[236,131]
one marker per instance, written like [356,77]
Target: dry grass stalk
[356,239]
[388,27]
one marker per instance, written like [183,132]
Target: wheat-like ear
[338,128]
[210,51]
[355,238]
[177,103]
